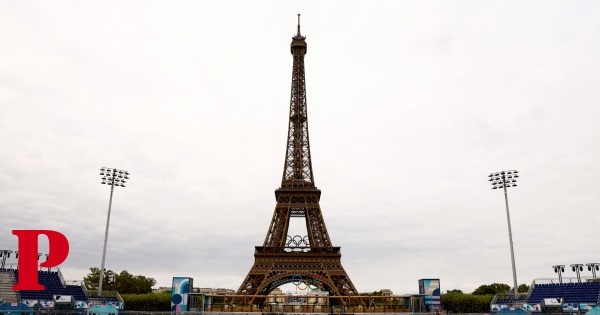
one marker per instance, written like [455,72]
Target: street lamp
[112,177]
[506,179]
[577,268]
[593,267]
[559,269]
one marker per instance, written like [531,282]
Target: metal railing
[564,280]
[305,250]
[509,296]
[60,276]
[312,309]
[55,312]
[84,288]
[119,298]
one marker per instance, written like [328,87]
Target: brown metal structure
[282,258]
[294,304]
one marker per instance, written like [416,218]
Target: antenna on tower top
[298,23]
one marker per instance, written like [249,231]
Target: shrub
[152,302]
[466,303]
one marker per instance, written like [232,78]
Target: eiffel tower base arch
[319,268]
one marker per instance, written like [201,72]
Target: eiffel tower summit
[290,259]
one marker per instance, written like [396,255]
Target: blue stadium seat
[54,286]
[586,292]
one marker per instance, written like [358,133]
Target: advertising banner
[179,293]
[430,287]
[46,304]
[29,302]
[567,307]
[532,307]
[63,298]
[81,304]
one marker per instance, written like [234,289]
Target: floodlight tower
[506,179]
[559,269]
[577,268]
[4,253]
[47,255]
[593,267]
[112,177]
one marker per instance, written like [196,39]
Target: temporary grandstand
[58,293]
[564,295]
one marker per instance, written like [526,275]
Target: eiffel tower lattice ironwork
[282,258]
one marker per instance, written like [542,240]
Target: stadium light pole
[593,267]
[506,179]
[559,269]
[40,256]
[577,268]
[4,253]
[112,177]
[47,255]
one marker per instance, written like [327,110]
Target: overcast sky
[411,105]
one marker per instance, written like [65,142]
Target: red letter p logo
[28,256]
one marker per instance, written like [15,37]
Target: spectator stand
[574,295]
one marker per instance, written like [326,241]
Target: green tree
[93,279]
[492,289]
[125,282]
[523,288]
[128,283]
[455,291]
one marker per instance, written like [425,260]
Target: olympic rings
[311,284]
[305,287]
[296,282]
[313,287]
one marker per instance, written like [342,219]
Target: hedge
[466,303]
[453,302]
[152,302]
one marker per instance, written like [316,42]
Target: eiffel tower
[282,258]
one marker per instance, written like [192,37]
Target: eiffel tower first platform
[282,258]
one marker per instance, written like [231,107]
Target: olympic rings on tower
[311,284]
